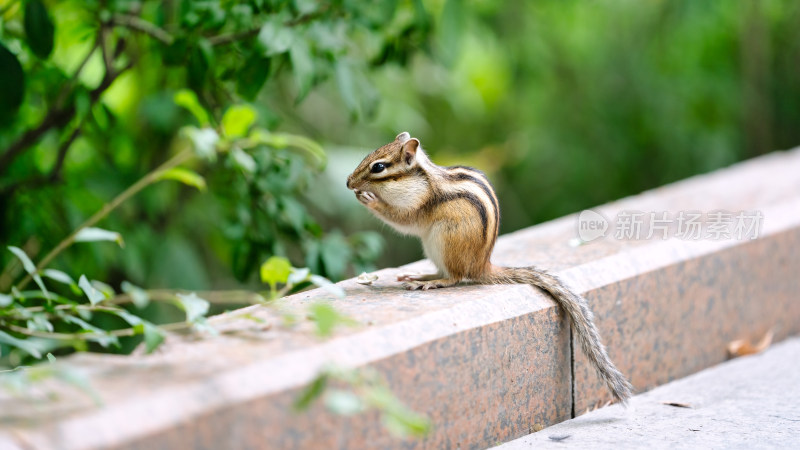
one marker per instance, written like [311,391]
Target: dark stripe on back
[440,198]
[489,192]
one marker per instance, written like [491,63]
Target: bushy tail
[579,314]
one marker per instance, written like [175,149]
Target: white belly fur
[434,252]
[402,229]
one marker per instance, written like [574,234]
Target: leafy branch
[145,181]
[235,133]
[138,24]
[56,118]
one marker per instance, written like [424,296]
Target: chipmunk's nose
[350,182]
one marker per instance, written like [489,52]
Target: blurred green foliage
[95,95]
[565,105]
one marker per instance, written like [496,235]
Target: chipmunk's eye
[378,168]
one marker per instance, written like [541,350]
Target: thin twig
[141,25]
[55,172]
[74,80]
[17,315]
[225,39]
[234,297]
[56,118]
[85,336]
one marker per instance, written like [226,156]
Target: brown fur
[454,212]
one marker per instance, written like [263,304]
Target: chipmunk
[454,211]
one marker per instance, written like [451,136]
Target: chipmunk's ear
[403,137]
[410,150]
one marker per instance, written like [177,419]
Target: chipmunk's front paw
[366,197]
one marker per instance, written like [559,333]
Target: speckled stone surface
[459,381]
[486,363]
[666,324]
[750,402]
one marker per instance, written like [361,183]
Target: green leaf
[104,288]
[5,300]
[243,160]
[185,176]
[406,423]
[153,337]
[327,318]
[12,79]
[275,270]
[102,337]
[29,267]
[283,140]
[275,38]
[237,120]
[27,264]
[343,402]
[136,322]
[92,294]
[252,76]
[327,285]
[397,417]
[138,295]
[92,234]
[21,344]
[38,28]
[299,275]
[57,275]
[204,141]
[201,325]
[188,99]
[311,393]
[39,322]
[51,358]
[302,67]
[195,307]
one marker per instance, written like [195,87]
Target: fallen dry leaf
[366,278]
[677,404]
[741,347]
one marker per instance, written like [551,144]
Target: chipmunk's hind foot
[432,284]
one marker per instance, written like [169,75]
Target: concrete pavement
[749,402]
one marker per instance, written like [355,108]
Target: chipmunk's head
[394,172]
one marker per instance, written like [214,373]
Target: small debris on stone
[677,404]
[559,437]
[366,278]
